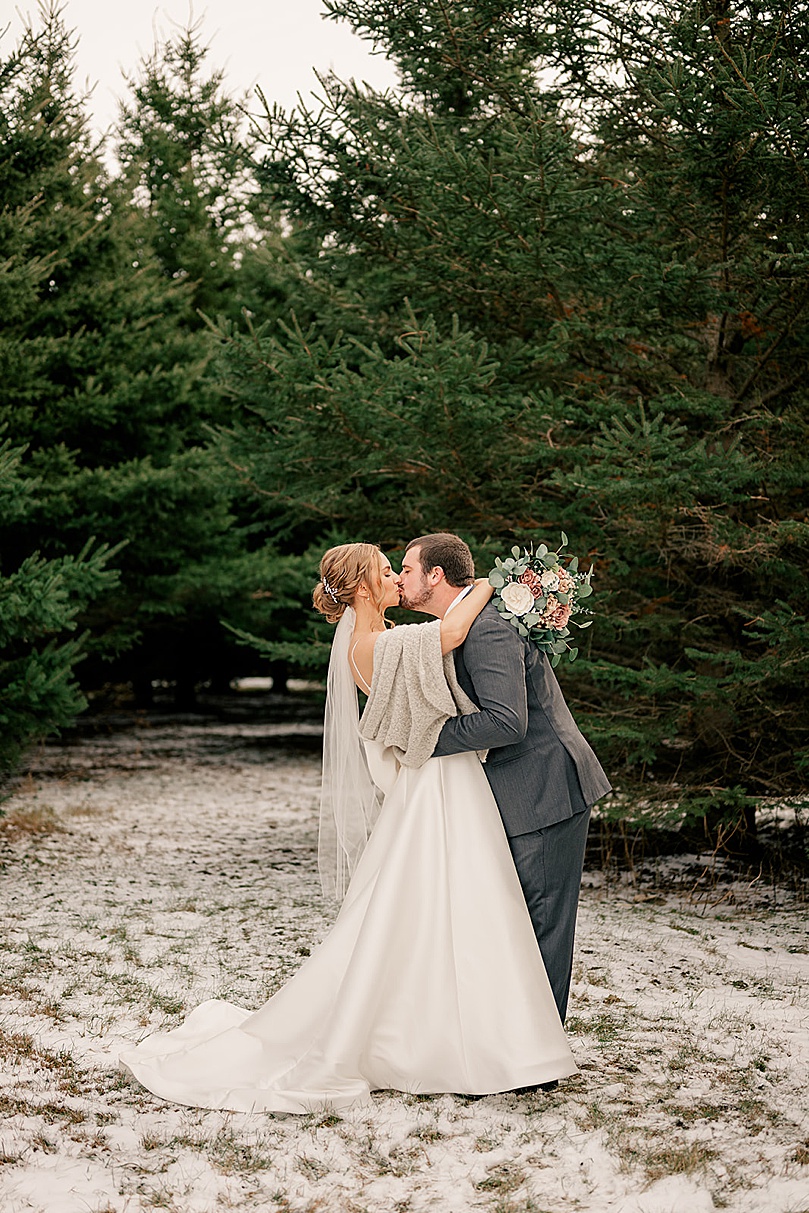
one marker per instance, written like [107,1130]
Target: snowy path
[146,871]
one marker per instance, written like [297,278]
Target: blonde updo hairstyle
[342,571]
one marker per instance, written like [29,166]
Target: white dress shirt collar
[457,599]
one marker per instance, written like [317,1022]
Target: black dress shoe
[549,1086]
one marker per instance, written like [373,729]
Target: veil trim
[349,802]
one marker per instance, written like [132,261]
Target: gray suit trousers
[549,863]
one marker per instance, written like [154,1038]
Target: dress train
[429,981]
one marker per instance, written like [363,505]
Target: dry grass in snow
[157,867]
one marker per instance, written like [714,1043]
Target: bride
[430,979]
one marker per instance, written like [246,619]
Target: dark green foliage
[560,282]
[105,376]
[184,161]
[39,602]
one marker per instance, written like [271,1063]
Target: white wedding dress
[429,981]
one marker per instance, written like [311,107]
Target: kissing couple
[454,816]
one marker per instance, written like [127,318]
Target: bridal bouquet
[540,592]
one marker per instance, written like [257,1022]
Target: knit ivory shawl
[414,690]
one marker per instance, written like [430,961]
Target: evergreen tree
[39,602]
[185,162]
[109,387]
[557,281]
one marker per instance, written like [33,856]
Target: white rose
[517,597]
[549,580]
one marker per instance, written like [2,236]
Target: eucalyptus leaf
[559,646]
[531,619]
[516,552]
[572,654]
[555,661]
[523,631]
[564,599]
[542,550]
[564,540]
[550,560]
[497,579]
[588,624]
[585,589]
[573,565]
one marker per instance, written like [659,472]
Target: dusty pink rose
[558,618]
[566,583]
[531,579]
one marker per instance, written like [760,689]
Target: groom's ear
[436,574]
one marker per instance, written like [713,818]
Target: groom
[544,776]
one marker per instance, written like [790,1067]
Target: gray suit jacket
[540,768]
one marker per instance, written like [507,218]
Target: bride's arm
[456,624]
[454,631]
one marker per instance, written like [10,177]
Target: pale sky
[276,44]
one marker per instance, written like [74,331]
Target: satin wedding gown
[429,981]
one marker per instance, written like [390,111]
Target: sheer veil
[348,797]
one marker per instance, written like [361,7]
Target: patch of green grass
[312,1168]
[427,1133]
[690,1057]
[678,1160]
[594,1116]
[19,1105]
[152,1141]
[158,1198]
[502,1178]
[606,1027]
[168,1003]
[688,1114]
[676,926]
[511,1204]
[20,1049]
[230,1155]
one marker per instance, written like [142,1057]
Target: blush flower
[539,592]
[533,581]
[517,597]
[558,618]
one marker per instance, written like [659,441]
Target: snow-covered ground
[147,870]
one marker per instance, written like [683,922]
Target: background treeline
[557,280]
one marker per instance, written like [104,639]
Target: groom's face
[415,588]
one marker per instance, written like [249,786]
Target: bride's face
[389,582]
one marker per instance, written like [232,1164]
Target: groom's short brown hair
[448,552]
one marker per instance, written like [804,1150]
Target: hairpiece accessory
[329,590]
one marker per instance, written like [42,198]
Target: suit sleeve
[495,662]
